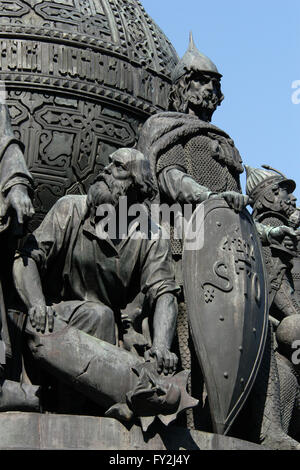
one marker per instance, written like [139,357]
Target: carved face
[284,202]
[130,167]
[113,182]
[127,174]
[119,165]
[285,199]
[203,93]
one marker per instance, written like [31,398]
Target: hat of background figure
[193,60]
[259,180]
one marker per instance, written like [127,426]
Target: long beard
[294,219]
[107,190]
[204,100]
[286,208]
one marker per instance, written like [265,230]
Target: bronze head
[127,174]
[196,85]
[271,191]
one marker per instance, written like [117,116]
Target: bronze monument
[110,327]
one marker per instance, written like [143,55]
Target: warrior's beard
[287,208]
[294,219]
[204,100]
[107,190]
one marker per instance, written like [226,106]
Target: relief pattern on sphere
[82,76]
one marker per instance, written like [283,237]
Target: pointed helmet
[194,60]
[259,180]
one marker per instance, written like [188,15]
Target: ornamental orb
[81,77]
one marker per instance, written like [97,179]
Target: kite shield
[227,303]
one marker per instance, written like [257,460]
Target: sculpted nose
[107,169]
[293,200]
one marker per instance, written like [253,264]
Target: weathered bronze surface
[227,300]
[33,431]
[67,274]
[274,205]
[91,328]
[194,161]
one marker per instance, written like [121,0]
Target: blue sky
[256,46]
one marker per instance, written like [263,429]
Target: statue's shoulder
[171,120]
[167,116]
[67,205]
[162,125]
[152,123]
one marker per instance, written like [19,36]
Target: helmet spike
[192,45]
[194,60]
[268,167]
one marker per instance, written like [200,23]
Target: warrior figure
[274,205]
[193,161]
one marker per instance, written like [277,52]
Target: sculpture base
[35,431]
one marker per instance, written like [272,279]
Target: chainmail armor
[199,159]
[172,157]
[184,350]
[296,277]
[206,170]
[289,396]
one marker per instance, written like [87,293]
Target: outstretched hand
[40,316]
[19,200]
[285,236]
[166,360]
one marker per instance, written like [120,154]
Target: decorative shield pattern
[227,302]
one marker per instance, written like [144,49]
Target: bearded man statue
[76,273]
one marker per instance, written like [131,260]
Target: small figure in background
[274,206]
